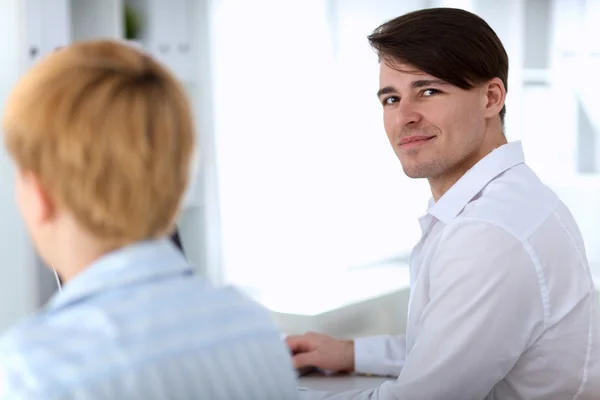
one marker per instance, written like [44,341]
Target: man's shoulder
[512,221]
[513,204]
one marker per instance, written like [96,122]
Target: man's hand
[322,351]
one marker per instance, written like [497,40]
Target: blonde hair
[109,133]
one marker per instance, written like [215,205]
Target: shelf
[95,19]
[166,33]
[48,28]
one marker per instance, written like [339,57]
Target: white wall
[18,288]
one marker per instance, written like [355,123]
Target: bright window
[308,183]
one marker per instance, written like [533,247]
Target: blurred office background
[297,196]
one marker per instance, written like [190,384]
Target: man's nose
[407,113]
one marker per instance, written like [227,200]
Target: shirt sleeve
[380,355]
[485,310]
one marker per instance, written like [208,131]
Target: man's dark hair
[451,44]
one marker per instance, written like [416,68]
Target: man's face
[433,126]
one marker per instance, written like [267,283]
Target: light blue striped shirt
[137,324]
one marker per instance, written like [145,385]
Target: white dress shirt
[502,305]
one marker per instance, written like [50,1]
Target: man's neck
[441,184]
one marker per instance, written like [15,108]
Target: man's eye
[390,100]
[430,92]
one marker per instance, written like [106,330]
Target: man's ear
[36,198]
[495,96]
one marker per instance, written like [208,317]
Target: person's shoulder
[230,328]
[476,237]
[199,291]
[239,303]
[53,350]
[221,312]
[516,202]
[225,295]
[18,338]
[22,376]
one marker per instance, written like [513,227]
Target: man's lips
[414,139]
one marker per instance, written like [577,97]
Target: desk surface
[340,383]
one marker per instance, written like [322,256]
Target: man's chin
[416,171]
[415,175]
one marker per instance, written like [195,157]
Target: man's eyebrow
[428,82]
[418,84]
[385,90]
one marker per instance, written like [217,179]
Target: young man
[502,301]
[102,137]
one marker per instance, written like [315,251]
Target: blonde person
[102,137]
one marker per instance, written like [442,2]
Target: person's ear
[34,197]
[494,97]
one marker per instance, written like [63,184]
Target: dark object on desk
[307,371]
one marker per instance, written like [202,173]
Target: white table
[341,383]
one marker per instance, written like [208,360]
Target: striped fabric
[138,325]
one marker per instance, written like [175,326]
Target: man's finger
[291,339]
[297,343]
[308,359]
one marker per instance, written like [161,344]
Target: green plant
[133,24]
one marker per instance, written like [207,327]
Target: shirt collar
[450,205]
[132,264]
